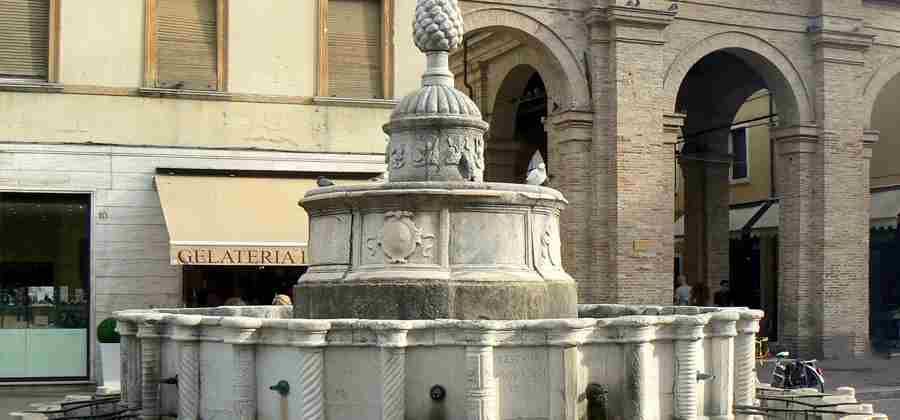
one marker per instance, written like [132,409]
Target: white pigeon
[537,170]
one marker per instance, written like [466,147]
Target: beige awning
[235,220]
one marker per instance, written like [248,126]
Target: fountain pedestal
[429,250]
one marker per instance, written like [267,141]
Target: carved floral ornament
[400,238]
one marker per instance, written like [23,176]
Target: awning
[884,211]
[737,218]
[885,207]
[235,220]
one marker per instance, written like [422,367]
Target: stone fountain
[435,241]
[437,296]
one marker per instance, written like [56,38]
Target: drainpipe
[466,68]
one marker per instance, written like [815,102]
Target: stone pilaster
[481,386]
[188,367]
[796,148]
[392,342]
[745,359]
[570,137]
[633,193]
[309,338]
[840,283]
[242,336]
[688,361]
[720,388]
[641,402]
[565,362]
[130,362]
[151,353]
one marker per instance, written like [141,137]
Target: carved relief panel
[399,237]
[330,238]
[437,155]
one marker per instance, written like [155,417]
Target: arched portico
[528,43]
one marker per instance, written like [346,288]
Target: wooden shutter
[354,49]
[24,38]
[187,44]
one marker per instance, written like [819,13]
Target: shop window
[355,54]
[186,44]
[27,39]
[738,147]
[217,285]
[44,286]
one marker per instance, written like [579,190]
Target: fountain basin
[428,250]
[681,362]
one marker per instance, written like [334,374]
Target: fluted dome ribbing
[436,99]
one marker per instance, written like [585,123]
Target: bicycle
[793,373]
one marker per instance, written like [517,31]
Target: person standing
[683,292]
[723,296]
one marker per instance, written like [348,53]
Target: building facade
[152,153]
[627,82]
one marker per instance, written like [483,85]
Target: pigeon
[673,7]
[537,170]
[324,182]
[179,85]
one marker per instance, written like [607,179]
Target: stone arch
[573,90]
[772,65]
[876,85]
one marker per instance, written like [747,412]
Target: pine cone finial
[438,25]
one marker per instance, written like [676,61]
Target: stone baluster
[745,359]
[309,337]
[640,401]
[129,359]
[688,362]
[392,342]
[242,336]
[151,352]
[721,386]
[188,367]
[481,388]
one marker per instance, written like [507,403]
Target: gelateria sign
[261,255]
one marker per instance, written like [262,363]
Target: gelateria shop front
[45,288]
[238,240]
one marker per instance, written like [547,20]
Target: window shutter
[187,44]
[24,38]
[354,48]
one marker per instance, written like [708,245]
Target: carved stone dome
[434,100]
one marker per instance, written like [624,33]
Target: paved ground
[18,397]
[876,381]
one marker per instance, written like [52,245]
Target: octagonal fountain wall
[625,362]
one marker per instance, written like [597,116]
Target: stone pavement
[876,380]
[19,397]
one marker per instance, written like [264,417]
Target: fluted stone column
[721,387]
[130,362]
[392,344]
[309,338]
[242,337]
[151,352]
[481,389]
[745,359]
[689,358]
[641,401]
[188,367]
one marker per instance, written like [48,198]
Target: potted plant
[108,339]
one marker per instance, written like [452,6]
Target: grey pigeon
[324,182]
